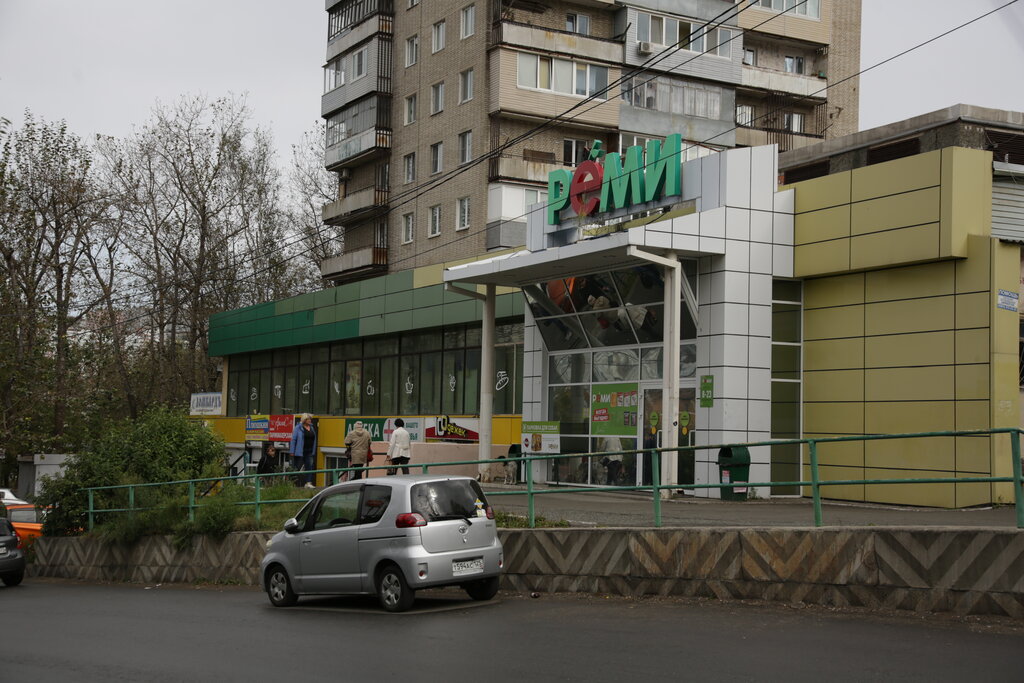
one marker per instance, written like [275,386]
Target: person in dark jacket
[303,447]
[268,464]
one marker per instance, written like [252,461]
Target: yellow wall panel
[331,432]
[972,382]
[837,453]
[832,323]
[1005,390]
[833,354]
[895,211]
[929,495]
[840,290]
[1006,274]
[933,383]
[972,310]
[907,350]
[840,492]
[972,345]
[894,247]
[934,454]
[823,192]
[973,455]
[909,416]
[231,429]
[893,177]
[821,258]
[834,418]
[911,315]
[968,495]
[966,197]
[822,225]
[972,415]
[974,272]
[909,282]
[426,276]
[834,385]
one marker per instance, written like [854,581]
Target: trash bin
[734,468]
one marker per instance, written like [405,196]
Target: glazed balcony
[358,149]
[355,264]
[799,85]
[356,205]
[553,41]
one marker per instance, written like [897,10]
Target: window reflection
[616,366]
[562,334]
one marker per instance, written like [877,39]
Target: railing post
[815,488]
[92,522]
[530,512]
[131,501]
[257,480]
[656,485]
[1018,488]
[335,476]
[191,501]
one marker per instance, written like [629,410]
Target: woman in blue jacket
[303,447]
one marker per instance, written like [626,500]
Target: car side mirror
[291,526]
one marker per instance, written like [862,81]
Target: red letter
[586,179]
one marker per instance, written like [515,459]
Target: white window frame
[462,213]
[409,162]
[437,98]
[435,221]
[436,158]
[465,147]
[744,114]
[359,58]
[468,19]
[410,109]
[576,145]
[408,227]
[412,50]
[574,21]
[560,74]
[334,74]
[412,3]
[437,36]
[750,56]
[465,86]
[807,10]
[794,64]
[793,122]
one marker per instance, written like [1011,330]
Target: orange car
[27,520]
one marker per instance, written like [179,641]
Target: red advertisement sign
[280,428]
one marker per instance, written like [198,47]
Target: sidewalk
[607,509]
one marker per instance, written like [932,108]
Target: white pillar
[487,374]
[670,382]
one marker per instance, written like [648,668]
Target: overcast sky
[101,64]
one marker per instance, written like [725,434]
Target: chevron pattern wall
[927,570]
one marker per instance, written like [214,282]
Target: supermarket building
[875,292]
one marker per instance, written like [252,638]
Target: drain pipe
[486,364]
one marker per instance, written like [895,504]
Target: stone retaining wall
[965,571]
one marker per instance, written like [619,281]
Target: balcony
[357,149]
[551,40]
[786,140]
[518,168]
[356,205]
[781,82]
[356,264]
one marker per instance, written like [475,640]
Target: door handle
[307,541]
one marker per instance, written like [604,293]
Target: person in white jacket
[399,448]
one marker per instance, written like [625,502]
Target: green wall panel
[374,287]
[371,325]
[370,306]
[426,317]
[398,282]
[427,296]
[398,322]
[349,292]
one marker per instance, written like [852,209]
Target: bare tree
[311,186]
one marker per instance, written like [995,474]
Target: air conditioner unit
[645,48]
[344,174]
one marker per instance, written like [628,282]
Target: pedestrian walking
[358,441]
[303,447]
[267,464]
[399,448]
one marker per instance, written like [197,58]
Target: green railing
[655,488]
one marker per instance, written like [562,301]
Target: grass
[510,521]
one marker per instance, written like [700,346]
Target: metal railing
[655,488]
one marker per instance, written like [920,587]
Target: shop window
[570,405]
[336,391]
[616,366]
[291,390]
[266,380]
[321,383]
[562,334]
[277,391]
[647,321]
[409,385]
[640,285]
[504,384]
[388,386]
[472,396]
[453,382]
[353,387]
[608,327]
[305,389]
[370,392]
[569,368]
[430,383]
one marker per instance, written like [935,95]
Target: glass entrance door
[652,422]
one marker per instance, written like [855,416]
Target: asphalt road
[61,631]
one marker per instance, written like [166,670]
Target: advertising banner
[541,437]
[256,427]
[461,429]
[279,427]
[380,428]
[207,403]
[613,409]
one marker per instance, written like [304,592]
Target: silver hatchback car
[388,536]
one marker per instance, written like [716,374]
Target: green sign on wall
[613,409]
[707,391]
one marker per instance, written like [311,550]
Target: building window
[435,221]
[437,98]
[745,114]
[408,227]
[721,42]
[749,56]
[334,74]
[562,76]
[531,197]
[337,130]
[436,157]
[793,65]
[793,122]
[412,50]
[359,63]
[462,213]
[575,151]
[410,109]
[466,86]
[810,9]
[437,42]
[577,23]
[410,167]
[466,147]
[627,140]
[673,96]
[412,3]
[468,21]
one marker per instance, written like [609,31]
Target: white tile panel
[710,181]
[761,225]
[712,223]
[759,415]
[737,287]
[717,286]
[782,228]
[737,255]
[704,288]
[736,177]
[714,315]
[782,261]
[760,386]
[759,320]
[730,382]
[760,288]
[764,175]
[686,243]
[737,224]
[760,257]
[760,352]
[734,413]
[687,225]
[658,239]
[736,319]
[712,245]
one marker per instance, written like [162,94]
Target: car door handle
[307,541]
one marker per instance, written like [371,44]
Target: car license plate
[3,551]
[463,567]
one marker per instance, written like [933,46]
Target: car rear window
[24,515]
[452,499]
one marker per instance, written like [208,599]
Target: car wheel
[484,589]
[279,587]
[393,592]
[13,579]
